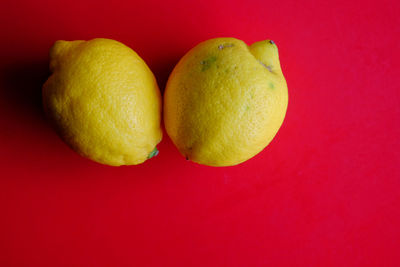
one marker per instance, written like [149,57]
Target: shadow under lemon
[29,139]
[21,88]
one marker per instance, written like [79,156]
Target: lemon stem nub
[153,153]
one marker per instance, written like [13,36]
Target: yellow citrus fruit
[104,101]
[225,101]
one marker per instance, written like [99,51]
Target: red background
[325,192]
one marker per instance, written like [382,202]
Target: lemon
[104,101]
[225,101]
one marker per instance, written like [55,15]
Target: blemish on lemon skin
[271,85]
[207,63]
[265,66]
[222,46]
[247,108]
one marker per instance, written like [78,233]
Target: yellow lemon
[225,101]
[104,101]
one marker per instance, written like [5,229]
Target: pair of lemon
[224,101]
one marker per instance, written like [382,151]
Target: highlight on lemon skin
[103,101]
[225,101]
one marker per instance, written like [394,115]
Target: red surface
[326,191]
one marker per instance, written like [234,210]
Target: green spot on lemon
[153,153]
[271,85]
[208,62]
